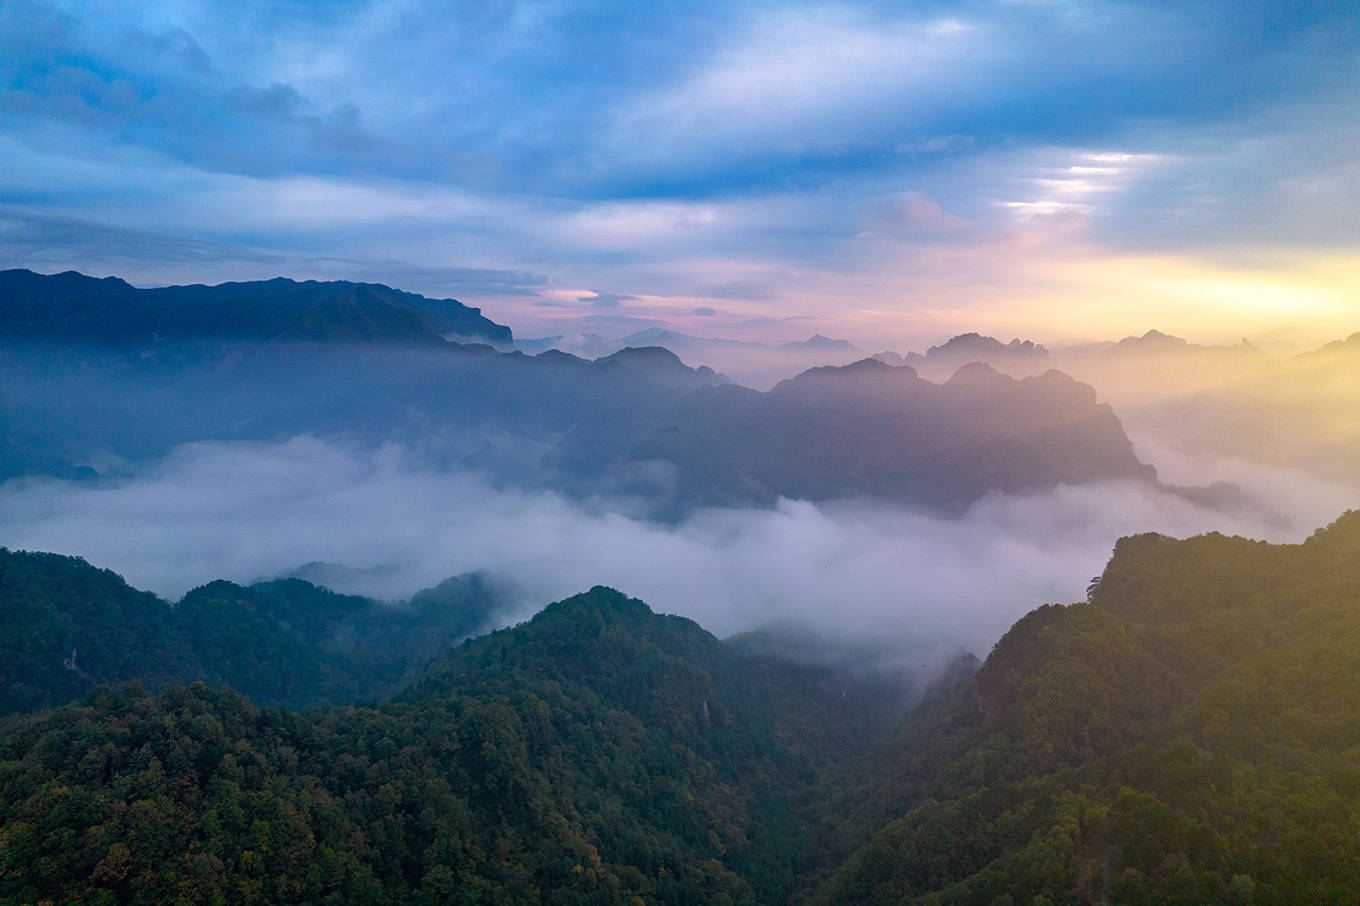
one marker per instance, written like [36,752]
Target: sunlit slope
[1303,412]
[1190,735]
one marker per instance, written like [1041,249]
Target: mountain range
[1300,412]
[70,627]
[72,306]
[757,365]
[870,429]
[1017,358]
[184,365]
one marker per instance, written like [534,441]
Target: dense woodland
[1189,734]
[69,627]
[597,754]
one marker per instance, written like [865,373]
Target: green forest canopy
[1190,734]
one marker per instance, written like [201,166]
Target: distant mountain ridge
[659,364]
[73,306]
[819,343]
[1017,358]
[871,429]
[639,423]
[1299,412]
[974,347]
[1130,374]
[757,365]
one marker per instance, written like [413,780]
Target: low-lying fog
[243,511]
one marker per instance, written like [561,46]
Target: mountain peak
[817,342]
[659,364]
[71,306]
[861,368]
[651,335]
[1153,339]
[594,635]
[971,341]
[601,600]
[1345,530]
[977,344]
[649,354]
[978,374]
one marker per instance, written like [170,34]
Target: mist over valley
[322,433]
[611,454]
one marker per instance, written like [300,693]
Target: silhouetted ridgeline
[69,626]
[1018,357]
[1302,412]
[870,429]
[1191,734]
[95,372]
[71,306]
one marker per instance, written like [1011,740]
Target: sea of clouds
[861,570]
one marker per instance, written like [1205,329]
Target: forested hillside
[69,626]
[598,754]
[1189,734]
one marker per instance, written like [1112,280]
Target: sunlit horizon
[890,175]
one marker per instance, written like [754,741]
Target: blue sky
[892,172]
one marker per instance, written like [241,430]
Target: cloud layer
[900,170]
[242,511]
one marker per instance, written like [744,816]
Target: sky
[893,173]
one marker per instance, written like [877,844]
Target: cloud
[48,243]
[912,213]
[600,299]
[628,322]
[808,80]
[125,83]
[869,163]
[445,280]
[814,92]
[704,311]
[778,322]
[277,100]
[737,289]
[244,510]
